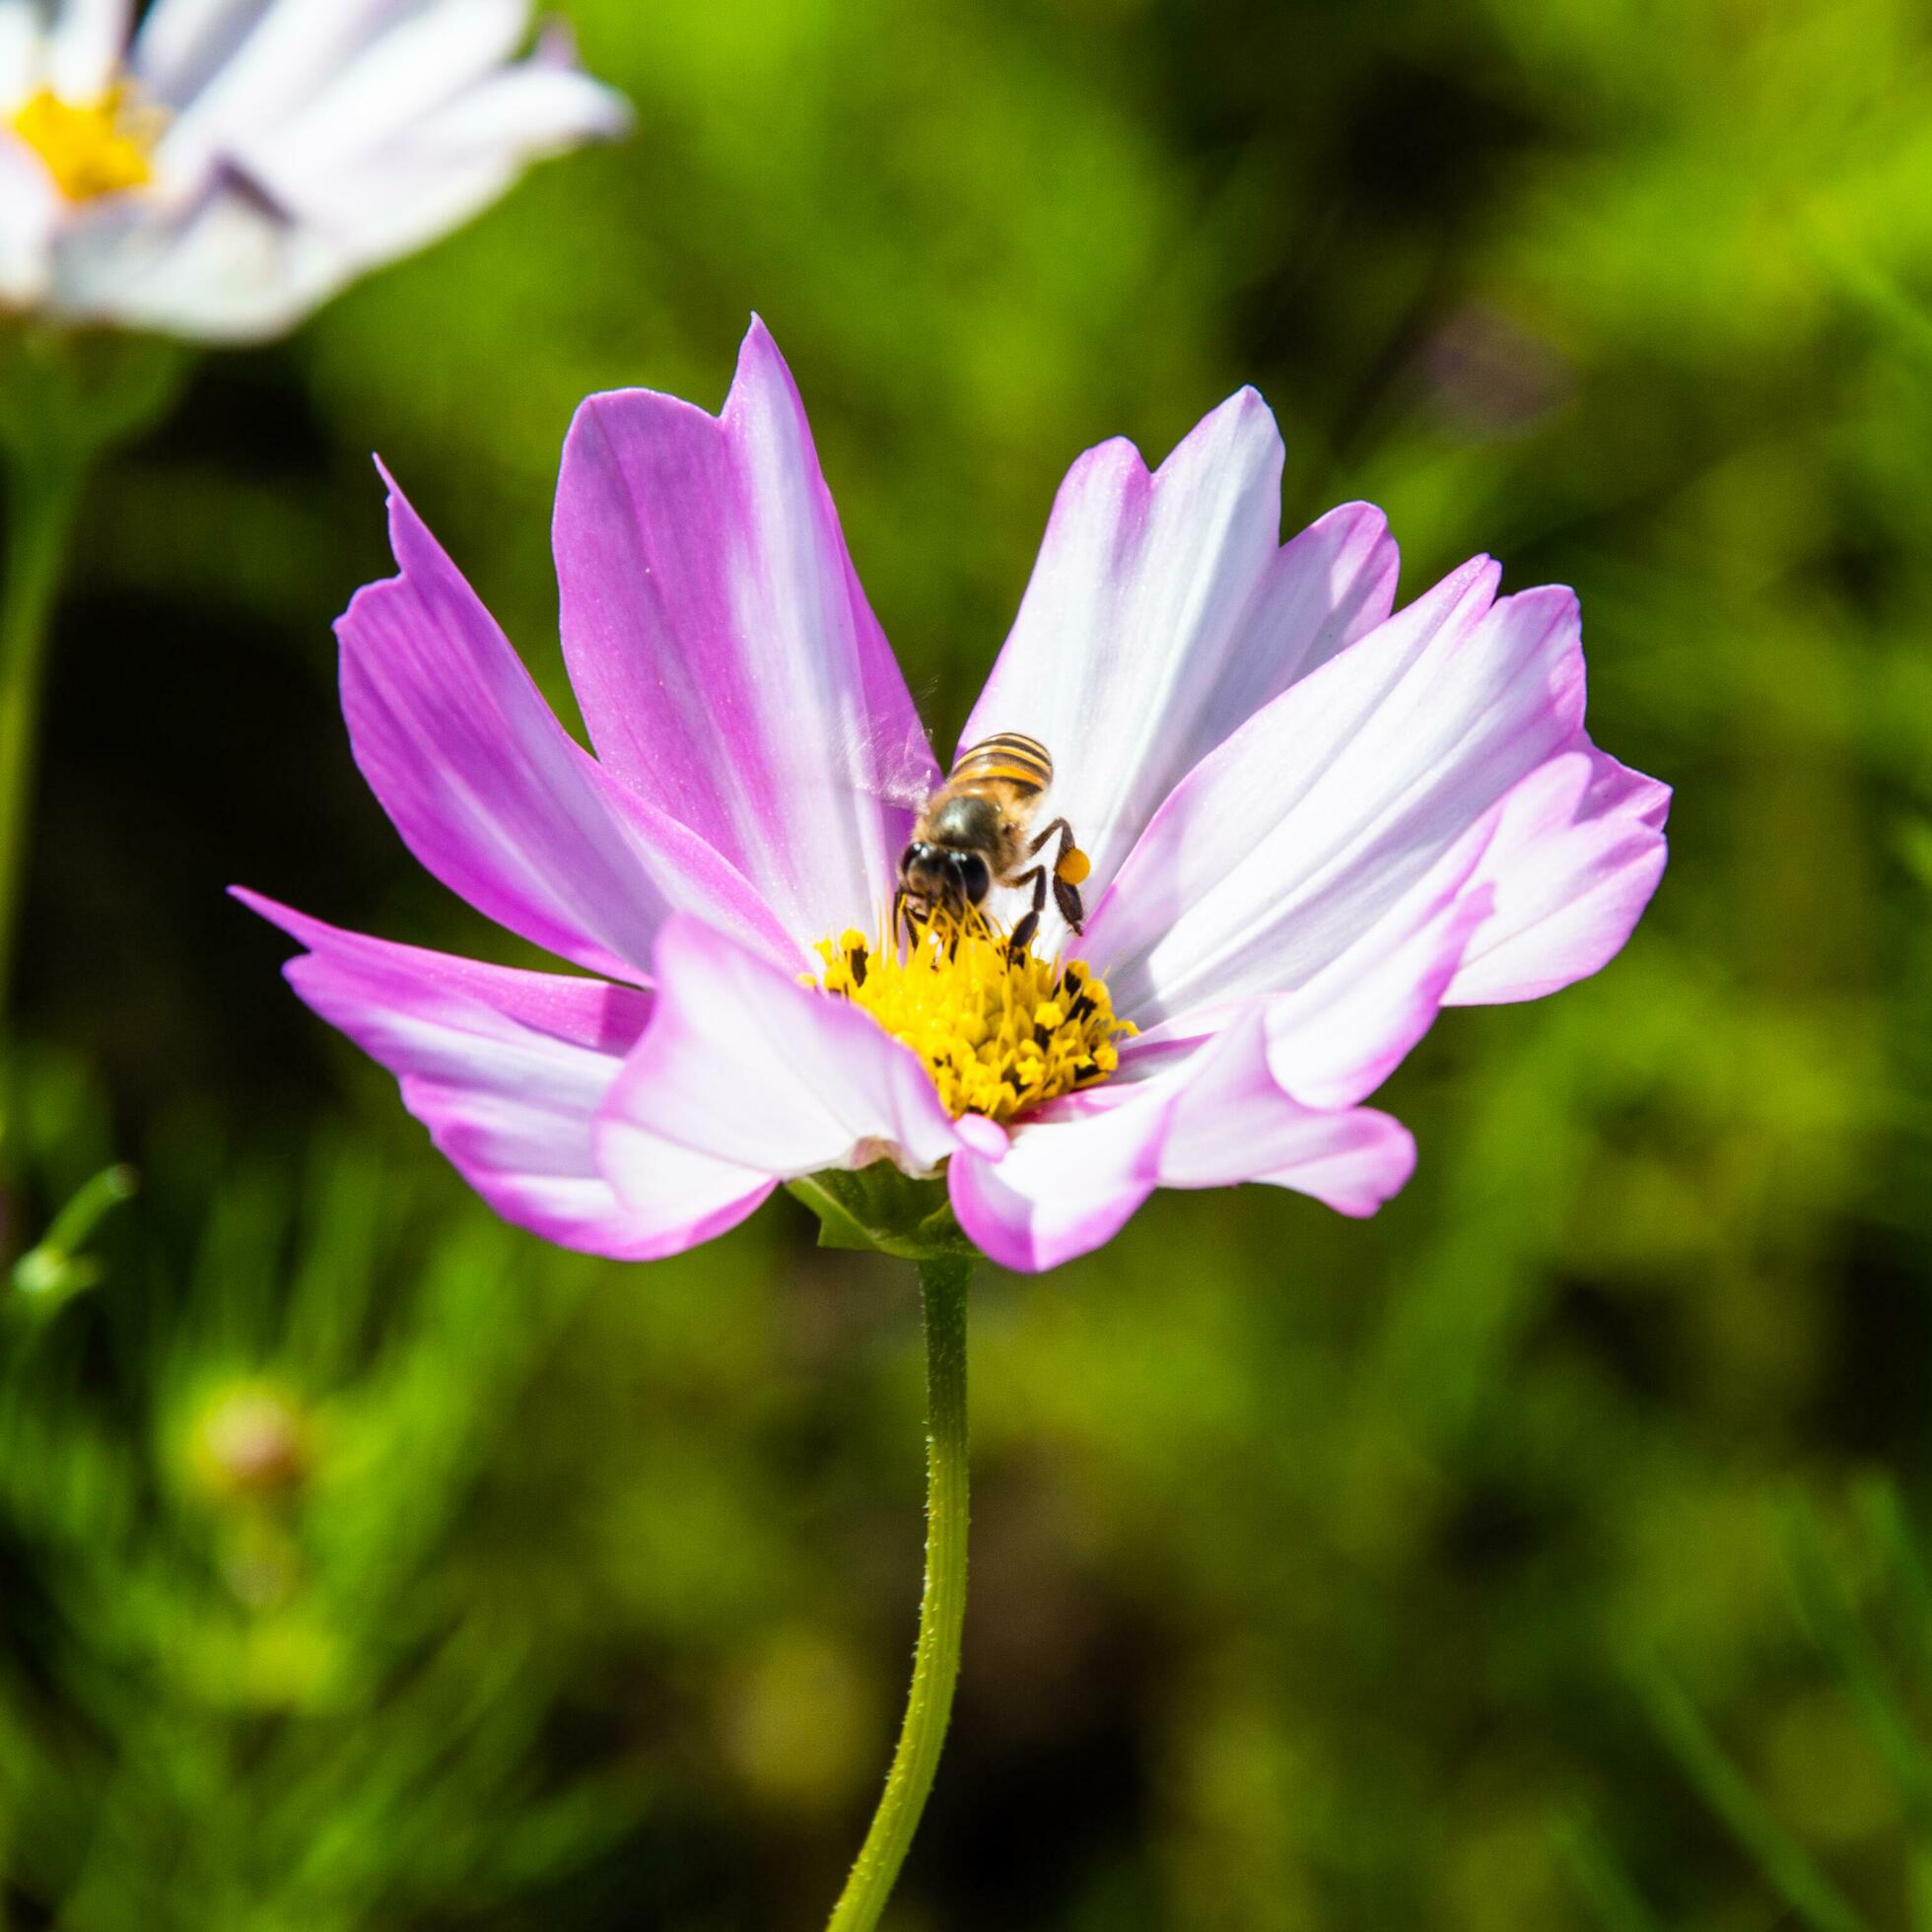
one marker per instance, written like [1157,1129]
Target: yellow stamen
[999,1032]
[90,147]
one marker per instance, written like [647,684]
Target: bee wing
[893,773]
[876,763]
[907,792]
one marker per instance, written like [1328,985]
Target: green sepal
[879,1210]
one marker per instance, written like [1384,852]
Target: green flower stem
[66,399]
[943,1280]
[43,497]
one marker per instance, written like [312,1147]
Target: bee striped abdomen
[1011,758]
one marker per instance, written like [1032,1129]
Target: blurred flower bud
[250,1442]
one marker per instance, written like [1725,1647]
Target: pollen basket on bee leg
[999,1031]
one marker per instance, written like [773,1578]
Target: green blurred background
[1544,1554]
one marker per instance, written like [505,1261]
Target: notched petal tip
[601,415]
[407,532]
[600,419]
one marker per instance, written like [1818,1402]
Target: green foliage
[1545,1553]
[250,1688]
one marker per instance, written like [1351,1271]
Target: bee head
[941,873]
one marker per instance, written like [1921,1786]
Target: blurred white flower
[227,168]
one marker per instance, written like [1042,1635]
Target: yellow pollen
[1000,1033]
[90,147]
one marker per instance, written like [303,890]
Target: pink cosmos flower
[1314,820]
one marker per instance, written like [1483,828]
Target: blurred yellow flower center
[90,147]
[999,1032]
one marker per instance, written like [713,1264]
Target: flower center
[90,147]
[999,1032]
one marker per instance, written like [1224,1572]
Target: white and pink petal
[386,86]
[21,55]
[495,798]
[31,213]
[1214,1117]
[1164,610]
[182,43]
[1333,1040]
[1579,848]
[85,46]
[220,266]
[506,1069]
[230,68]
[309,140]
[426,125]
[745,1064]
[1290,842]
[722,649]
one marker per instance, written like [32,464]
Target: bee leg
[1023,932]
[1065,894]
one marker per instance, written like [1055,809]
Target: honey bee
[972,836]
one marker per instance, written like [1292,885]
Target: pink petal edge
[1579,851]
[1281,850]
[1164,610]
[507,1067]
[1075,1175]
[494,797]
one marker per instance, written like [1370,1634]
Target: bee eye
[906,860]
[973,878]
